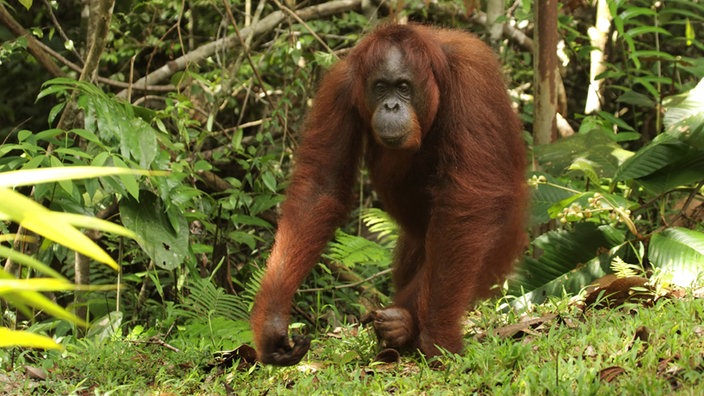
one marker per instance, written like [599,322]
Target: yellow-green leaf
[10,338]
[689,33]
[34,284]
[43,221]
[38,301]
[30,262]
[95,223]
[13,285]
[28,177]
[26,3]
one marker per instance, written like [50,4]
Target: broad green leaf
[269,181]
[684,171]
[635,98]
[237,140]
[65,184]
[693,11]
[89,136]
[128,181]
[141,140]
[570,282]
[9,338]
[48,135]
[105,327]
[243,219]
[650,159]
[562,251]
[684,116]
[619,122]
[55,111]
[72,152]
[660,55]
[39,302]
[147,217]
[680,252]
[587,168]
[545,196]
[597,146]
[243,237]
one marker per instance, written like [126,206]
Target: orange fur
[459,195]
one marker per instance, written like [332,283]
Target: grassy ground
[632,349]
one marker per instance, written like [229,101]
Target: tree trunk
[597,37]
[494,10]
[99,17]
[546,73]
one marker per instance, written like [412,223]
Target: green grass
[563,355]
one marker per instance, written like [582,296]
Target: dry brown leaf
[244,354]
[388,355]
[610,373]
[611,291]
[35,372]
[526,326]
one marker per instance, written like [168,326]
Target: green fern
[352,250]
[251,287]
[380,223]
[624,270]
[207,300]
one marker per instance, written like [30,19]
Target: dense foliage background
[215,93]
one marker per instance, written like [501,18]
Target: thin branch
[32,43]
[266,24]
[59,29]
[305,25]
[99,26]
[348,285]
[509,31]
[243,44]
[104,80]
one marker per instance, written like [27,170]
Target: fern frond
[351,250]
[624,270]
[380,223]
[252,286]
[207,300]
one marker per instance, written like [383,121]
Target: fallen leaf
[35,372]
[310,367]
[589,351]
[610,373]
[526,326]
[244,354]
[612,291]
[388,355]
[643,334]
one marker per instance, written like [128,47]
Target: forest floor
[651,349]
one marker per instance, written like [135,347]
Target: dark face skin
[390,96]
